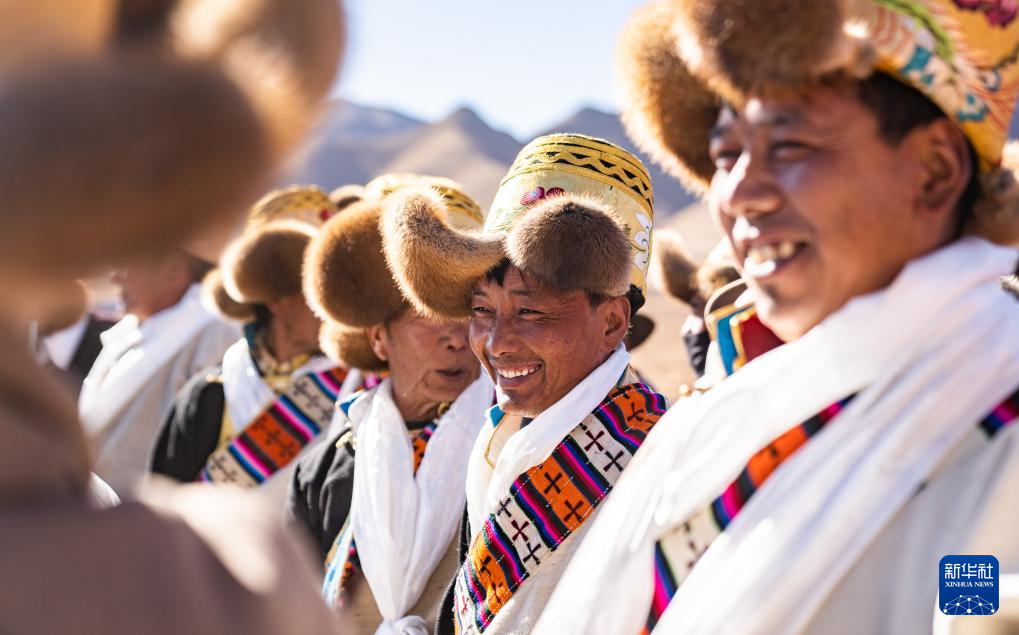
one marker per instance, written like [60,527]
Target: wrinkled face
[817,206]
[537,344]
[153,285]
[429,362]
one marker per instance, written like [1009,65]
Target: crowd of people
[395,409]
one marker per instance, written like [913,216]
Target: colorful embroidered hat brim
[679,60]
[574,211]
[346,279]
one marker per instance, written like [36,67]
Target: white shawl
[532,444]
[132,353]
[403,522]
[927,357]
[247,394]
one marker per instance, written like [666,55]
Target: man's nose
[748,190]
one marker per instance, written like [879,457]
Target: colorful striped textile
[677,554]
[276,436]
[546,504]
[350,564]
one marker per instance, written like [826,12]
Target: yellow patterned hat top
[963,54]
[576,164]
[463,211]
[305,203]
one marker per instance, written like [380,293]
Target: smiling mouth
[766,259]
[517,373]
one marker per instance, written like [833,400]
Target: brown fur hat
[175,134]
[349,346]
[680,59]
[216,298]
[264,264]
[345,275]
[575,212]
[566,242]
[679,272]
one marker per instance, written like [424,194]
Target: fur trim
[435,265]
[345,275]
[667,111]
[346,195]
[265,264]
[729,45]
[349,346]
[64,309]
[996,214]
[284,55]
[571,243]
[177,148]
[216,299]
[718,270]
[679,273]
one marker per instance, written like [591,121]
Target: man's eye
[785,150]
[525,311]
[480,310]
[725,159]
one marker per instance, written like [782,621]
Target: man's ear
[616,313]
[946,170]
[377,338]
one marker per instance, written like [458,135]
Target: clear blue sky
[523,65]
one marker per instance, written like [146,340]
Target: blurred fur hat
[346,279]
[64,309]
[263,265]
[573,211]
[679,60]
[151,137]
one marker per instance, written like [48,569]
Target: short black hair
[900,109]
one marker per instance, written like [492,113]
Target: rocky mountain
[356,143]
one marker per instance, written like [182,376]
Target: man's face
[817,206]
[429,361]
[537,344]
[153,285]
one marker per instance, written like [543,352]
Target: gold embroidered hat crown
[574,211]
[680,59]
[346,279]
[305,203]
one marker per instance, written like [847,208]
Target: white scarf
[246,393]
[927,357]
[132,353]
[535,442]
[402,522]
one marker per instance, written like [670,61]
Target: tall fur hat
[263,265]
[573,211]
[137,144]
[680,59]
[346,280]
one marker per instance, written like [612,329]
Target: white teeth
[764,259]
[510,374]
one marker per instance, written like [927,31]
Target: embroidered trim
[277,435]
[550,501]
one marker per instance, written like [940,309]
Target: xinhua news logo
[969,585]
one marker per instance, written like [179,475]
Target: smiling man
[852,158]
[550,286]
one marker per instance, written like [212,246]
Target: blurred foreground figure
[549,286]
[68,337]
[245,419]
[109,154]
[383,496]
[851,153]
[165,337]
